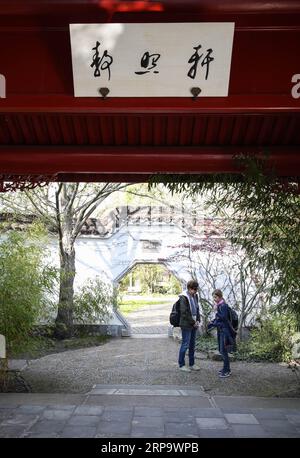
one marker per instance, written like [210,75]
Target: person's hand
[196,325]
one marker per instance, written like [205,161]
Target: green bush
[25,283]
[92,302]
[272,339]
[206,343]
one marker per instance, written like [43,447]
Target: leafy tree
[215,264]
[26,280]
[263,216]
[153,278]
[64,207]
[150,275]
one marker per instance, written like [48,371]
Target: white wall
[111,258]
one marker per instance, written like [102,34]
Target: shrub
[25,283]
[272,339]
[206,343]
[93,301]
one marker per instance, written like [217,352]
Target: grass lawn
[131,305]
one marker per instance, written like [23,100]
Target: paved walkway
[151,319]
[150,412]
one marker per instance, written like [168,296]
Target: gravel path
[152,361]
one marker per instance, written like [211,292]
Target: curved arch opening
[147,292]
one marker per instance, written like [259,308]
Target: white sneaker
[195,368]
[185,369]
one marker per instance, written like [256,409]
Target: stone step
[149,336]
[17,364]
[147,390]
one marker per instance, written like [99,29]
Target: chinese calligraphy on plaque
[151,60]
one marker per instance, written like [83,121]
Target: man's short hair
[192,284]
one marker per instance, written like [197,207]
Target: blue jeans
[188,342]
[225,338]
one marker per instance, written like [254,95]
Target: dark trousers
[224,344]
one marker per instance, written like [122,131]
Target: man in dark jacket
[189,323]
[225,331]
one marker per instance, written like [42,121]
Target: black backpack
[175,314]
[233,319]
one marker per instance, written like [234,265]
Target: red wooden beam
[88,8]
[35,51]
[139,160]
[35,58]
[259,103]
[78,177]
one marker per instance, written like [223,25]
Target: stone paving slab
[77,432]
[148,411]
[149,401]
[30,409]
[153,387]
[254,431]
[40,398]
[150,336]
[257,402]
[50,416]
[17,364]
[216,434]
[149,392]
[88,410]
[294,419]
[144,390]
[56,414]
[212,423]
[241,418]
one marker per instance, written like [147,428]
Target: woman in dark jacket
[225,332]
[189,323]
